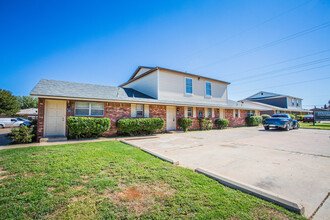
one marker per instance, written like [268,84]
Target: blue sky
[280,46]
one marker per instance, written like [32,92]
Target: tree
[8,103]
[27,102]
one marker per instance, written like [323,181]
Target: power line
[284,69]
[286,74]
[289,84]
[272,43]
[252,27]
[281,62]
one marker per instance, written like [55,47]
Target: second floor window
[208,89]
[292,102]
[297,102]
[139,110]
[189,113]
[189,88]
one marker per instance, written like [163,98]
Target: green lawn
[114,180]
[317,126]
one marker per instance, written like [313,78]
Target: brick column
[41,118]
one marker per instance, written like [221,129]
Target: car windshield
[308,115]
[19,119]
[280,116]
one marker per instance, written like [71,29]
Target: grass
[322,126]
[113,180]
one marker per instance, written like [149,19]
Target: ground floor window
[89,109]
[250,113]
[200,113]
[236,113]
[209,112]
[139,110]
[190,112]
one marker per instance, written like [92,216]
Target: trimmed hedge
[21,135]
[87,127]
[221,123]
[264,116]
[300,117]
[140,126]
[185,123]
[205,124]
[253,120]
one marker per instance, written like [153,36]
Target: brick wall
[235,122]
[41,118]
[158,111]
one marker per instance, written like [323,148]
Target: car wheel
[266,127]
[287,127]
[1,126]
[298,126]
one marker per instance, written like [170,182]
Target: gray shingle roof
[56,88]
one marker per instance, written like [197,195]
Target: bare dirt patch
[269,213]
[29,175]
[140,197]
[3,174]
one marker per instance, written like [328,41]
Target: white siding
[172,88]
[147,85]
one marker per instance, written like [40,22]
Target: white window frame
[141,110]
[191,112]
[89,109]
[234,113]
[292,101]
[185,86]
[206,82]
[297,102]
[209,113]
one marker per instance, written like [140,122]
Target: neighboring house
[153,92]
[29,113]
[277,103]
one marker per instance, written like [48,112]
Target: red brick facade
[115,111]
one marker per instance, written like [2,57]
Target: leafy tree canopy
[27,102]
[8,103]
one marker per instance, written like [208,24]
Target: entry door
[170,118]
[55,118]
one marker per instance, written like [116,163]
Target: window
[250,113]
[209,112]
[236,113]
[189,113]
[208,89]
[297,102]
[200,113]
[292,102]
[89,109]
[189,88]
[139,110]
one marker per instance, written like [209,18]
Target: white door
[170,118]
[55,118]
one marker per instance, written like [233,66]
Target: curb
[262,194]
[162,157]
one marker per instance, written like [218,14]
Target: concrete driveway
[3,139]
[294,165]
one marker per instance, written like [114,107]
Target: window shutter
[212,112]
[146,111]
[239,113]
[194,112]
[185,112]
[221,115]
[205,113]
[133,110]
[234,113]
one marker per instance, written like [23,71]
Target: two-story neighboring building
[150,92]
[277,103]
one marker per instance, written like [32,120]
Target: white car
[13,122]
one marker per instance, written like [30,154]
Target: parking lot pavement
[3,139]
[294,164]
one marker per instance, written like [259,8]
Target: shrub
[21,135]
[184,123]
[221,123]
[86,127]
[264,116]
[205,124]
[253,120]
[140,126]
[300,117]
[292,116]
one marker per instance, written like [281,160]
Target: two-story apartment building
[150,92]
[277,103]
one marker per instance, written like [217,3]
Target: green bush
[292,116]
[21,135]
[221,123]
[87,127]
[264,116]
[300,117]
[140,126]
[205,124]
[253,120]
[185,123]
